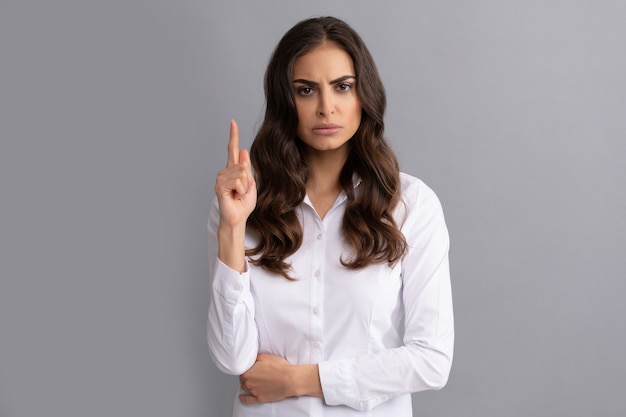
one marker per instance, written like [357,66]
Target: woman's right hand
[235,185]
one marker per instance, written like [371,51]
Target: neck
[323,185]
[325,168]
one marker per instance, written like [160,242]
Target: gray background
[114,121]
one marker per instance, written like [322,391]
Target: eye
[304,91]
[344,87]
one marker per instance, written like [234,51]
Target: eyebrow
[315,84]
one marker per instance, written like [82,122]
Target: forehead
[326,61]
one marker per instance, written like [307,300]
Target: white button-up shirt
[377,334]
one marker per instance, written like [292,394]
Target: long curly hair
[278,159]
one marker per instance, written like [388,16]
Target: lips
[326,129]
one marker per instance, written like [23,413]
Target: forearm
[231,329]
[366,381]
[231,246]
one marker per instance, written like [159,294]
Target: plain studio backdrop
[114,122]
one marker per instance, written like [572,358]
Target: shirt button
[316,344]
[319,236]
[317,273]
[316,310]
[237,287]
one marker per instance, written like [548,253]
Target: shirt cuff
[229,283]
[338,382]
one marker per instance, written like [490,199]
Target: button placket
[317,290]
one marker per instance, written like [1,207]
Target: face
[329,111]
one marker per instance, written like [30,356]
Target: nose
[326,104]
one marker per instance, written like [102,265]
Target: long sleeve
[231,330]
[424,360]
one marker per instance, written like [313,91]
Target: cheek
[302,110]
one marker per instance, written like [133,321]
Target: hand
[273,378]
[268,380]
[235,185]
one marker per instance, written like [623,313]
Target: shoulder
[414,191]
[418,202]
[419,213]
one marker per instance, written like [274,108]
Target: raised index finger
[233,144]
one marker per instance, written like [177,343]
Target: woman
[330,279]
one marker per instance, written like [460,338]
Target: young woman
[330,280]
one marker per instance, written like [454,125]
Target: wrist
[306,381]
[231,231]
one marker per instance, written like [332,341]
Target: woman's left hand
[269,379]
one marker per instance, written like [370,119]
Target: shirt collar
[356,182]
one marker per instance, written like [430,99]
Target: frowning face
[329,110]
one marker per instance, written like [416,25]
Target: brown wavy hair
[278,159]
